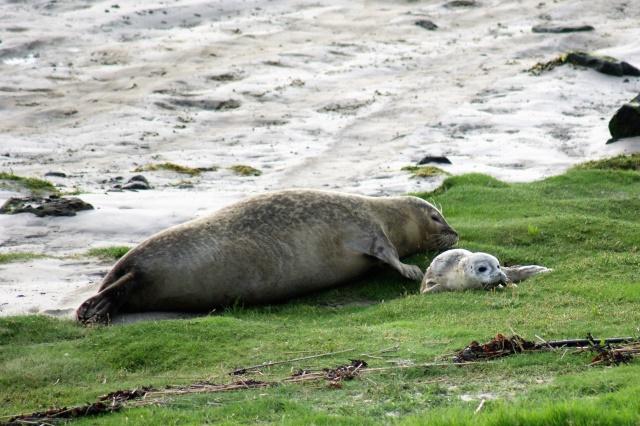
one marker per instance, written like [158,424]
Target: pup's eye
[482,269]
[435,218]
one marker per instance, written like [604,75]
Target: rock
[434,159]
[625,123]
[461,3]
[603,64]
[426,24]
[137,182]
[55,174]
[53,205]
[561,29]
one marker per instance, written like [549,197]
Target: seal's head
[438,234]
[484,269]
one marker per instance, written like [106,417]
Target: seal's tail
[99,309]
[521,273]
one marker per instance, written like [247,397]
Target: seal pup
[461,269]
[268,248]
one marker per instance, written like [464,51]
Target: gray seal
[461,269]
[266,249]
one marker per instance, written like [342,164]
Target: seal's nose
[503,278]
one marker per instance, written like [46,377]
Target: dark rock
[138,178]
[55,174]
[625,123]
[461,3]
[137,182]
[50,206]
[561,29]
[426,24]
[434,159]
[603,64]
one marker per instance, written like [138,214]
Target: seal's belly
[257,272]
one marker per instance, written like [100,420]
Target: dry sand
[331,94]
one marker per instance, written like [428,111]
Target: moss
[19,257]
[36,186]
[243,170]
[113,252]
[424,171]
[621,162]
[170,167]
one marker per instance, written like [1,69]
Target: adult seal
[461,269]
[266,249]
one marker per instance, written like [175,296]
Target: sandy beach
[324,94]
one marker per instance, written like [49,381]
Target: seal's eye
[482,269]
[435,218]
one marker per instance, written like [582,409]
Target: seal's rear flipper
[100,308]
[521,273]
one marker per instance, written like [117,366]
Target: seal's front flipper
[378,245]
[100,308]
[521,273]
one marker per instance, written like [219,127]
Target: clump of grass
[36,186]
[19,257]
[170,167]
[621,162]
[424,171]
[533,230]
[112,253]
[243,170]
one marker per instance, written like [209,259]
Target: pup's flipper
[521,273]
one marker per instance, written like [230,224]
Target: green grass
[621,162]
[424,171]
[34,185]
[110,253]
[243,170]
[583,224]
[172,167]
[19,257]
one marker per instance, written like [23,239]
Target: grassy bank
[583,224]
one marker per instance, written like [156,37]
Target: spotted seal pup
[460,269]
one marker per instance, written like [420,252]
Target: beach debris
[204,104]
[115,401]
[53,205]
[434,159]
[426,24]
[561,29]
[604,64]
[497,347]
[501,346]
[344,372]
[625,123]
[105,404]
[607,355]
[347,107]
[227,76]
